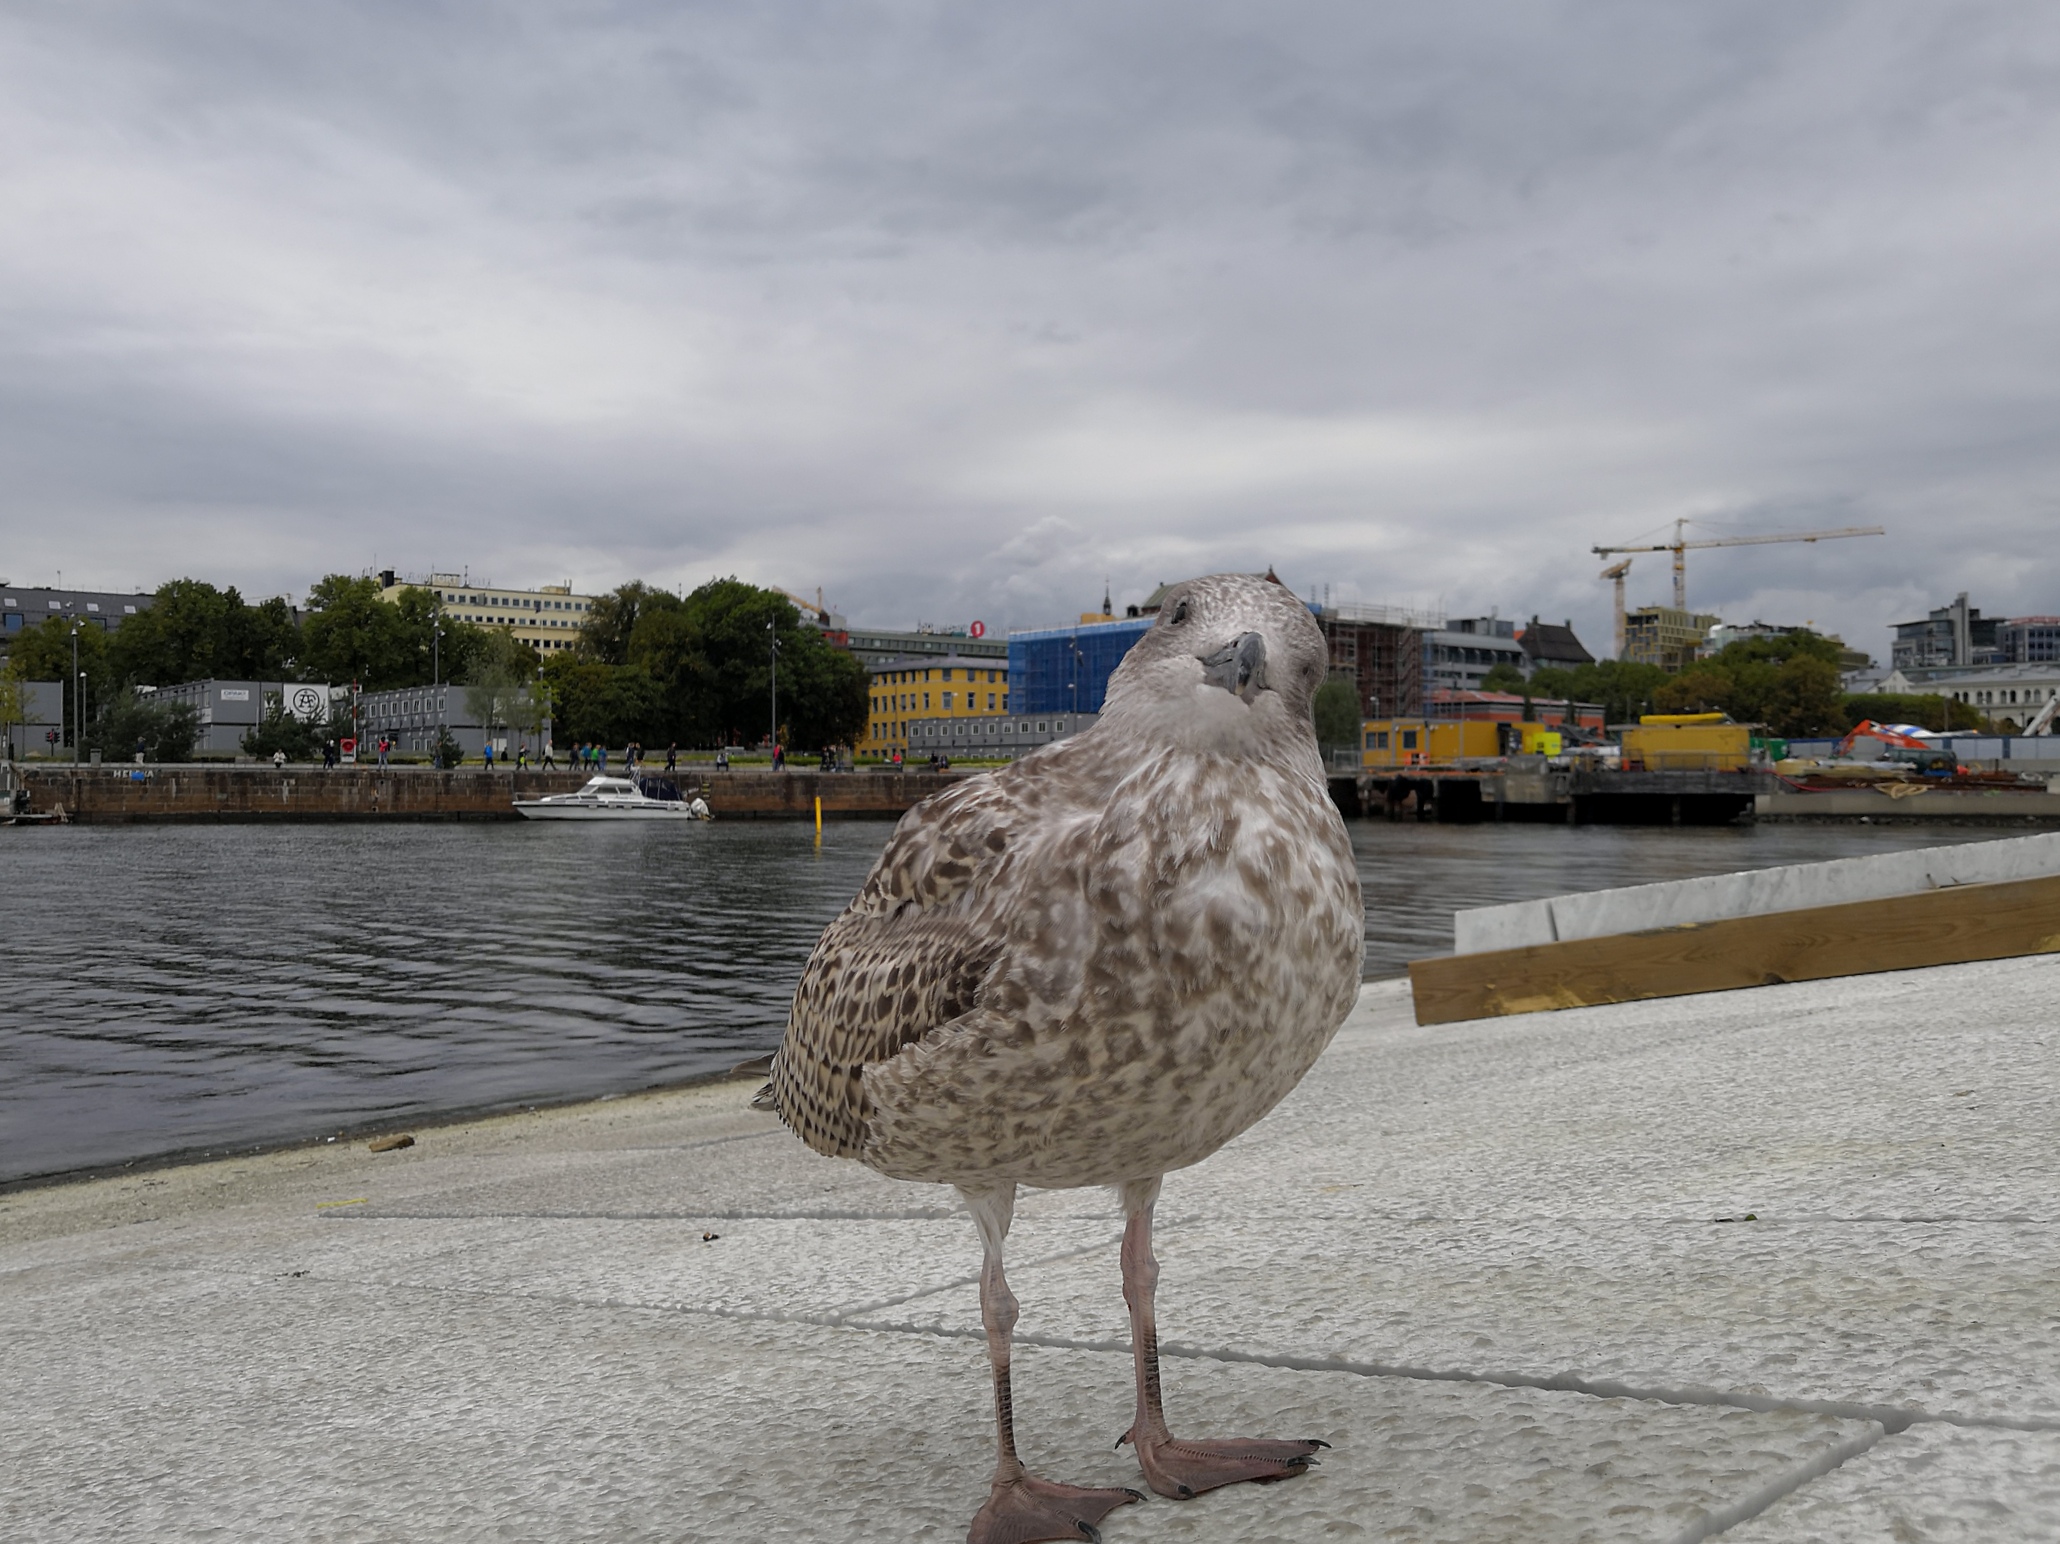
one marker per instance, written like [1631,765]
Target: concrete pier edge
[1765,1265]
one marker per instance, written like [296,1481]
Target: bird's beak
[1238,667]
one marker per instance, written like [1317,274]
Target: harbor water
[213,987]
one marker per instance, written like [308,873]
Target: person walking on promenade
[601,760]
[487,754]
[550,763]
[522,758]
[384,745]
[779,757]
[672,758]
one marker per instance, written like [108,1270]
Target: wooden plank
[1903,932]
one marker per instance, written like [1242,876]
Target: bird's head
[1230,658]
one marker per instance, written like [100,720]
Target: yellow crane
[814,608]
[1680,544]
[1679,547]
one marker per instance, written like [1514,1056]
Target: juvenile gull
[1093,967]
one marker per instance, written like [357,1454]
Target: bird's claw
[1182,1470]
[1031,1508]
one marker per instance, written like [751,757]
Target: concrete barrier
[1638,908]
[1972,805]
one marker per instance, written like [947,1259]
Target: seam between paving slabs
[1882,1422]
[1747,1507]
[1893,1419]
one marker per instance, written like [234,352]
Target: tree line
[701,669]
[648,665]
[1789,682]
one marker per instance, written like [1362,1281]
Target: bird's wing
[917,946]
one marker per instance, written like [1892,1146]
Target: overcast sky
[953,311]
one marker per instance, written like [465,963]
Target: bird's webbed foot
[1181,1469]
[1027,1508]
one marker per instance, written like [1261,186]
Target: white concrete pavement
[1504,1267]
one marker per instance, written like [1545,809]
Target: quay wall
[125,794]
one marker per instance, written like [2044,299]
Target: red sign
[977,630]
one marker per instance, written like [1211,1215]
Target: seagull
[1095,966]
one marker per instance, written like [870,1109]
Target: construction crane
[814,608]
[1680,544]
[1617,572]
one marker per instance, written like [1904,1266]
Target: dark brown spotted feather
[914,950]
[1103,962]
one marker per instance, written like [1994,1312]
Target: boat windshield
[659,788]
[618,786]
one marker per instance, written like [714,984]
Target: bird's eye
[1180,613]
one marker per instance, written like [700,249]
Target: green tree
[193,631]
[279,731]
[44,653]
[501,686]
[164,731]
[1504,677]
[613,704]
[1337,716]
[351,634]
[823,695]
[612,621]
[1623,687]
[420,657]
[1790,683]
[12,708]
[1806,698]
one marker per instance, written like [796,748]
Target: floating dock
[1531,789]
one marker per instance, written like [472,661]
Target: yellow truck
[1418,742]
[1679,742]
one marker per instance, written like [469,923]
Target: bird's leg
[1020,1507]
[1173,1467]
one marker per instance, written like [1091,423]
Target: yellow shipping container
[1417,742]
[1687,742]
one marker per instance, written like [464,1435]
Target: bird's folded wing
[911,952]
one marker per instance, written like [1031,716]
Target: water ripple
[169,987]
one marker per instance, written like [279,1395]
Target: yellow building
[547,618]
[904,690]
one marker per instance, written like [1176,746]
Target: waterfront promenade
[123,794]
[1769,1265]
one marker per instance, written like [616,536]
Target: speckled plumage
[1106,960]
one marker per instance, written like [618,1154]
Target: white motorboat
[617,798]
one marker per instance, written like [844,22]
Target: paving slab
[1928,1485]
[1505,1267]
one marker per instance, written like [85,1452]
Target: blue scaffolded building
[1067,669]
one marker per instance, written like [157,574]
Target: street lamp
[773,635]
[78,689]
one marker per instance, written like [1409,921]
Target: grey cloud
[1418,302]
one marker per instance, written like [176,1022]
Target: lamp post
[78,691]
[773,635]
[436,683]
